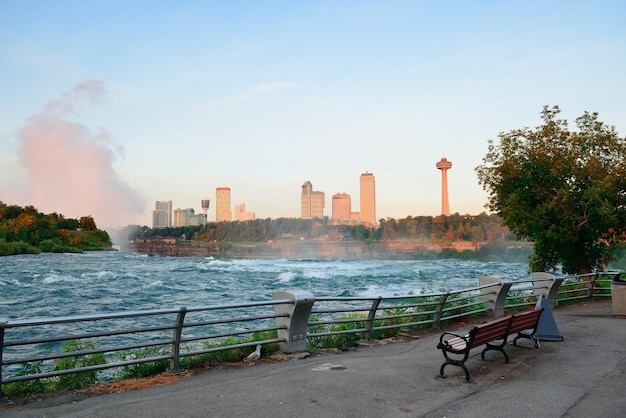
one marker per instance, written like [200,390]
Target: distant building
[368,198]
[162,214]
[188,217]
[222,205]
[311,202]
[342,206]
[241,214]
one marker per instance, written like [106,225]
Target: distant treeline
[24,230]
[471,228]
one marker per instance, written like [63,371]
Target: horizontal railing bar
[408,324]
[85,318]
[231,320]
[230,347]
[86,352]
[326,311]
[84,369]
[240,305]
[90,335]
[228,334]
[133,314]
[338,332]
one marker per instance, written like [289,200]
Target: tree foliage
[26,230]
[455,227]
[565,190]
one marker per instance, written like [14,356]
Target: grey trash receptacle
[618,295]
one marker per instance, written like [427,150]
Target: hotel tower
[222,205]
[368,198]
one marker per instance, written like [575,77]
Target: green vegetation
[27,231]
[485,237]
[144,369]
[564,190]
[59,383]
[77,380]
[441,229]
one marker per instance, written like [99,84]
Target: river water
[47,285]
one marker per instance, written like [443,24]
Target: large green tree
[565,190]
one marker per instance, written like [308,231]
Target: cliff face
[344,250]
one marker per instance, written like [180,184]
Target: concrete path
[582,376]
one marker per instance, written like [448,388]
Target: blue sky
[174,99]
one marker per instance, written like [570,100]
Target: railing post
[370,317]
[592,285]
[3,399]
[175,360]
[494,303]
[293,327]
[549,291]
[439,311]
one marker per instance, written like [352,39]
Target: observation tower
[205,207]
[444,165]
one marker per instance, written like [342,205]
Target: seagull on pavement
[254,356]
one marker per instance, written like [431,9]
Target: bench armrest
[448,336]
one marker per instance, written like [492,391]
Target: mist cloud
[69,168]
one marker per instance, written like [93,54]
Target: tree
[87,223]
[565,190]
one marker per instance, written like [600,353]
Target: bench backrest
[525,320]
[490,331]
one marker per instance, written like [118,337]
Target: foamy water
[70,284]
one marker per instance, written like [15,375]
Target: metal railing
[172,333]
[587,286]
[289,319]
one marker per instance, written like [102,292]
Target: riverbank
[291,249]
[326,249]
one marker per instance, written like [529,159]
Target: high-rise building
[162,214]
[342,206]
[444,165]
[311,203]
[368,198]
[188,217]
[242,215]
[222,205]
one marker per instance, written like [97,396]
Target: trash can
[618,294]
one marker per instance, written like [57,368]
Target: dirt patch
[134,384]
[162,379]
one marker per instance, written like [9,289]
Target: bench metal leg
[526,335]
[499,348]
[455,363]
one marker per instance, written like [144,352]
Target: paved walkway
[582,376]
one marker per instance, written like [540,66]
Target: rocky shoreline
[291,249]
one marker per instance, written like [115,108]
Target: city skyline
[103,113]
[312,204]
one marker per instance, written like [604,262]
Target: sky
[107,107]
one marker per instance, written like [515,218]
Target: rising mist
[69,167]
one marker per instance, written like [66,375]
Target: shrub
[77,380]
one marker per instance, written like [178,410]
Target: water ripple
[70,284]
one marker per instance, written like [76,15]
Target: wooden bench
[493,335]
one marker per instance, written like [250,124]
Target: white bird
[254,356]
